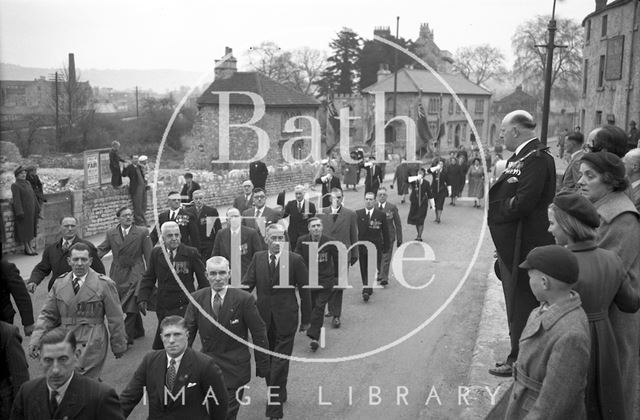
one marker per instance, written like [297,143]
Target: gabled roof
[517,96]
[414,80]
[273,93]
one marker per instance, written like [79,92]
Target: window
[601,71]
[585,73]
[458,110]
[604,26]
[451,101]
[588,30]
[466,106]
[615,52]
[479,106]
[598,120]
[288,115]
[434,106]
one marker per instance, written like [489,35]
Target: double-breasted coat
[186,220]
[130,254]
[601,283]
[207,238]
[342,226]
[551,371]
[298,218]
[25,210]
[239,315]
[250,243]
[85,314]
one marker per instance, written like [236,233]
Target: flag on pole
[423,131]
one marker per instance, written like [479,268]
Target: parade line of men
[298,270]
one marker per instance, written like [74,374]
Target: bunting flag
[441,132]
[333,125]
[423,131]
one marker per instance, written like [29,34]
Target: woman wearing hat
[25,210]
[602,181]
[573,221]
[475,175]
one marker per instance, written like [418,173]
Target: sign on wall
[615,52]
[95,167]
[105,172]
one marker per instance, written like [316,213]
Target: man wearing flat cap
[138,189]
[517,219]
[551,370]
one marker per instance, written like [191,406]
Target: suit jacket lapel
[71,403]
[184,371]
[228,307]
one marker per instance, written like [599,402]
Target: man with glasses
[184,217]
[55,257]
[262,215]
[341,224]
[235,311]
[208,222]
[131,249]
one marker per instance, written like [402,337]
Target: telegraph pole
[137,115]
[395,65]
[55,87]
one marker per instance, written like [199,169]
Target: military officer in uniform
[80,301]
[186,261]
[518,222]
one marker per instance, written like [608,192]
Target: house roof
[609,6]
[517,96]
[273,93]
[414,80]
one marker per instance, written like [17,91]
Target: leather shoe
[328,315]
[314,345]
[336,322]
[365,297]
[384,282]
[502,369]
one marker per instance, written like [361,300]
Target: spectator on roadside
[575,152]
[188,188]
[475,175]
[609,138]
[561,139]
[329,181]
[12,286]
[114,164]
[632,166]
[25,210]
[138,189]
[634,136]
[14,370]
[258,174]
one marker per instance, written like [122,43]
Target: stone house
[281,104]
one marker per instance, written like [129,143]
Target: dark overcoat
[298,219]
[419,199]
[25,210]
[250,243]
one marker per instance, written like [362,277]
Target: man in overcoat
[208,222]
[299,212]
[374,176]
[245,200]
[372,228]
[394,225]
[138,189]
[517,219]
[187,263]
[80,301]
[275,274]
[131,249]
[260,216]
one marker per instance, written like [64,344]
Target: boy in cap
[551,371]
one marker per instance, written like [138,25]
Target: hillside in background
[157,80]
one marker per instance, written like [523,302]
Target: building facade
[611,68]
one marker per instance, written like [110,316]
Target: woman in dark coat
[573,221]
[114,164]
[439,186]
[420,199]
[350,176]
[25,210]
[455,175]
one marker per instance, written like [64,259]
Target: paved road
[426,368]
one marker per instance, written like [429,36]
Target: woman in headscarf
[603,182]
[573,221]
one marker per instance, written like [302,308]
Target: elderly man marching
[80,301]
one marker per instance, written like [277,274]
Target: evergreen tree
[375,53]
[342,75]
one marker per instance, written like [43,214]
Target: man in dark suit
[395,233]
[188,188]
[341,224]
[170,299]
[259,216]
[208,222]
[63,393]
[275,274]
[184,217]
[131,249]
[138,188]
[177,382]
[12,285]
[327,262]
[518,221]
[374,177]
[258,173]
[248,244]
[373,228]
[299,211]
[235,310]
[55,256]
[329,181]
[245,200]
[14,370]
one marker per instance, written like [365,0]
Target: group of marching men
[271,256]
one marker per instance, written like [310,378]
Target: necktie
[369,214]
[257,213]
[335,216]
[299,205]
[124,233]
[54,401]
[171,374]
[217,304]
[65,245]
[272,266]
[171,257]
[76,285]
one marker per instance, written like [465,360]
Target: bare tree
[310,64]
[529,66]
[480,63]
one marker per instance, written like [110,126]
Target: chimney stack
[72,68]
[227,68]
[600,4]
[383,72]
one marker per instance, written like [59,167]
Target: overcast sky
[191,34]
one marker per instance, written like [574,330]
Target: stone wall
[95,208]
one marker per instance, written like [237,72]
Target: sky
[191,34]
